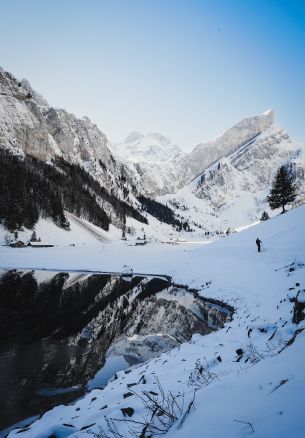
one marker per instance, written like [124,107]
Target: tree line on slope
[31,188]
[163,213]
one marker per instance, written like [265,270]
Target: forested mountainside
[51,161]
[31,188]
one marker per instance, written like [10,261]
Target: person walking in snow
[258,243]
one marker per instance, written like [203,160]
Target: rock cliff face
[22,125]
[209,152]
[249,169]
[28,124]
[222,183]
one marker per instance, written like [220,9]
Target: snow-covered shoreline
[249,389]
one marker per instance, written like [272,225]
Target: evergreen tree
[162,212]
[283,190]
[33,237]
[265,216]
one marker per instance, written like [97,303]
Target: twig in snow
[247,423]
[189,408]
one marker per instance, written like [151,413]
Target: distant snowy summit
[163,168]
[151,159]
[151,147]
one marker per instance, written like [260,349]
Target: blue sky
[186,68]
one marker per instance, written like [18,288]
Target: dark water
[56,327]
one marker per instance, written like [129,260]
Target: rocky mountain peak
[28,123]
[36,96]
[133,137]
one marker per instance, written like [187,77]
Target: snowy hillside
[246,378]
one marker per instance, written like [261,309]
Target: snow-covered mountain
[242,161]
[152,159]
[220,184]
[248,169]
[231,192]
[29,124]
[154,147]
[207,153]
[242,372]
[41,136]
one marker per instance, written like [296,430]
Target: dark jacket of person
[258,243]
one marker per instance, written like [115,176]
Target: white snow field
[257,390]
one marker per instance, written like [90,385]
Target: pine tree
[283,190]
[33,237]
[265,216]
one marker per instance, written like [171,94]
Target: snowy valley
[76,178]
[130,276]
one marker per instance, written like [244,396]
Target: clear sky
[189,69]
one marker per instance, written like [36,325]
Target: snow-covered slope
[81,233]
[246,379]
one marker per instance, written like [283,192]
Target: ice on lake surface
[112,365]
